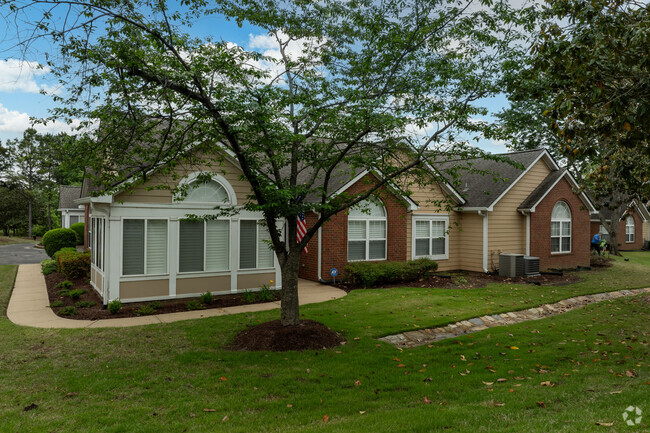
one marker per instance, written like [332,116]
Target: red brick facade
[620,235]
[540,230]
[334,235]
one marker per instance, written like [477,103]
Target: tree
[352,86]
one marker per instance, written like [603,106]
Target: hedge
[368,274]
[73,264]
[56,239]
[79,231]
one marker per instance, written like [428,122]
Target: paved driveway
[19,254]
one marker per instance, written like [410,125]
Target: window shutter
[217,248]
[132,247]
[156,247]
[264,252]
[247,244]
[190,246]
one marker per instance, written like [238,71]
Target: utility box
[511,265]
[531,266]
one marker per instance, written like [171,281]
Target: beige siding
[507,227]
[198,285]
[253,281]
[470,246]
[157,189]
[144,289]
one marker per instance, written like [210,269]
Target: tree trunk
[29,216]
[289,309]
[613,242]
[49,217]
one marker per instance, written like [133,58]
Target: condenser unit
[511,265]
[531,266]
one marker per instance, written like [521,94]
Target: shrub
[266,294]
[156,305]
[73,264]
[249,297]
[56,239]
[56,304]
[68,311]
[64,292]
[84,304]
[38,230]
[64,285]
[145,310]
[76,293]
[207,298]
[194,305]
[114,306]
[79,231]
[48,266]
[368,274]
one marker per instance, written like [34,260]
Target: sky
[26,87]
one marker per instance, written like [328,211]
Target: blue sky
[22,81]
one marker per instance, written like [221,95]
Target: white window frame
[97,230]
[562,223]
[368,219]
[145,274]
[232,197]
[258,226]
[630,230]
[205,246]
[430,218]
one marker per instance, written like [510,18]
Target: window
[205,188]
[96,240]
[629,229]
[74,219]
[604,234]
[204,246]
[430,237]
[254,249]
[367,231]
[561,228]
[144,247]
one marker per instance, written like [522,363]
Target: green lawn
[160,378]
[4,240]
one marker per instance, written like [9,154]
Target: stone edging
[431,335]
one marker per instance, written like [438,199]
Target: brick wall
[540,230]
[638,233]
[334,235]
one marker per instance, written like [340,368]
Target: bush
[249,297]
[84,304]
[79,231]
[369,274]
[114,306]
[194,305]
[145,310]
[56,304]
[38,230]
[48,266]
[76,293]
[63,285]
[266,294]
[68,311]
[56,239]
[207,298]
[73,264]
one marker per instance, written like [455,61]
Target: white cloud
[21,76]
[16,122]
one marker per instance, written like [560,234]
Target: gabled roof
[67,196]
[483,182]
[547,185]
[608,213]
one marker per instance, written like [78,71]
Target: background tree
[352,87]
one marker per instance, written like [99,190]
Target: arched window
[561,228]
[202,188]
[629,229]
[367,231]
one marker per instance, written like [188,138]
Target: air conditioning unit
[531,266]
[511,265]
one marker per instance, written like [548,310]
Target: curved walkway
[431,335]
[29,305]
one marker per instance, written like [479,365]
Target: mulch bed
[272,336]
[128,310]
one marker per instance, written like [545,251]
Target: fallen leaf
[289,405]
[362,412]
[400,365]
[541,404]
[499,404]
[501,380]
[192,415]
[514,348]
[546,383]
[224,419]
[605,424]
[223,378]
[462,357]
[488,383]
[616,392]
[357,383]
[631,373]
[426,400]
[326,418]
[209,410]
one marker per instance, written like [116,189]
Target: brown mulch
[272,336]
[128,310]
[474,280]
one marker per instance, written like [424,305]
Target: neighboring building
[142,249]
[71,212]
[633,227]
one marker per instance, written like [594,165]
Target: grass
[162,377]
[8,240]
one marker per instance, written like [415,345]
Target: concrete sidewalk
[29,305]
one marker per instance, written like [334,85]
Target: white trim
[430,217]
[232,197]
[575,185]
[485,241]
[446,186]
[349,183]
[628,218]
[562,222]
[412,206]
[528,233]
[320,253]
[368,219]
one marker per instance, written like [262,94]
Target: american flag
[302,229]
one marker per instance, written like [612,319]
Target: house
[144,248]
[633,227]
[533,209]
[71,212]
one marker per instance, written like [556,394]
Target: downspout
[484,214]
[320,254]
[527,215]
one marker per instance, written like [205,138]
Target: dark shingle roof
[67,196]
[481,181]
[541,189]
